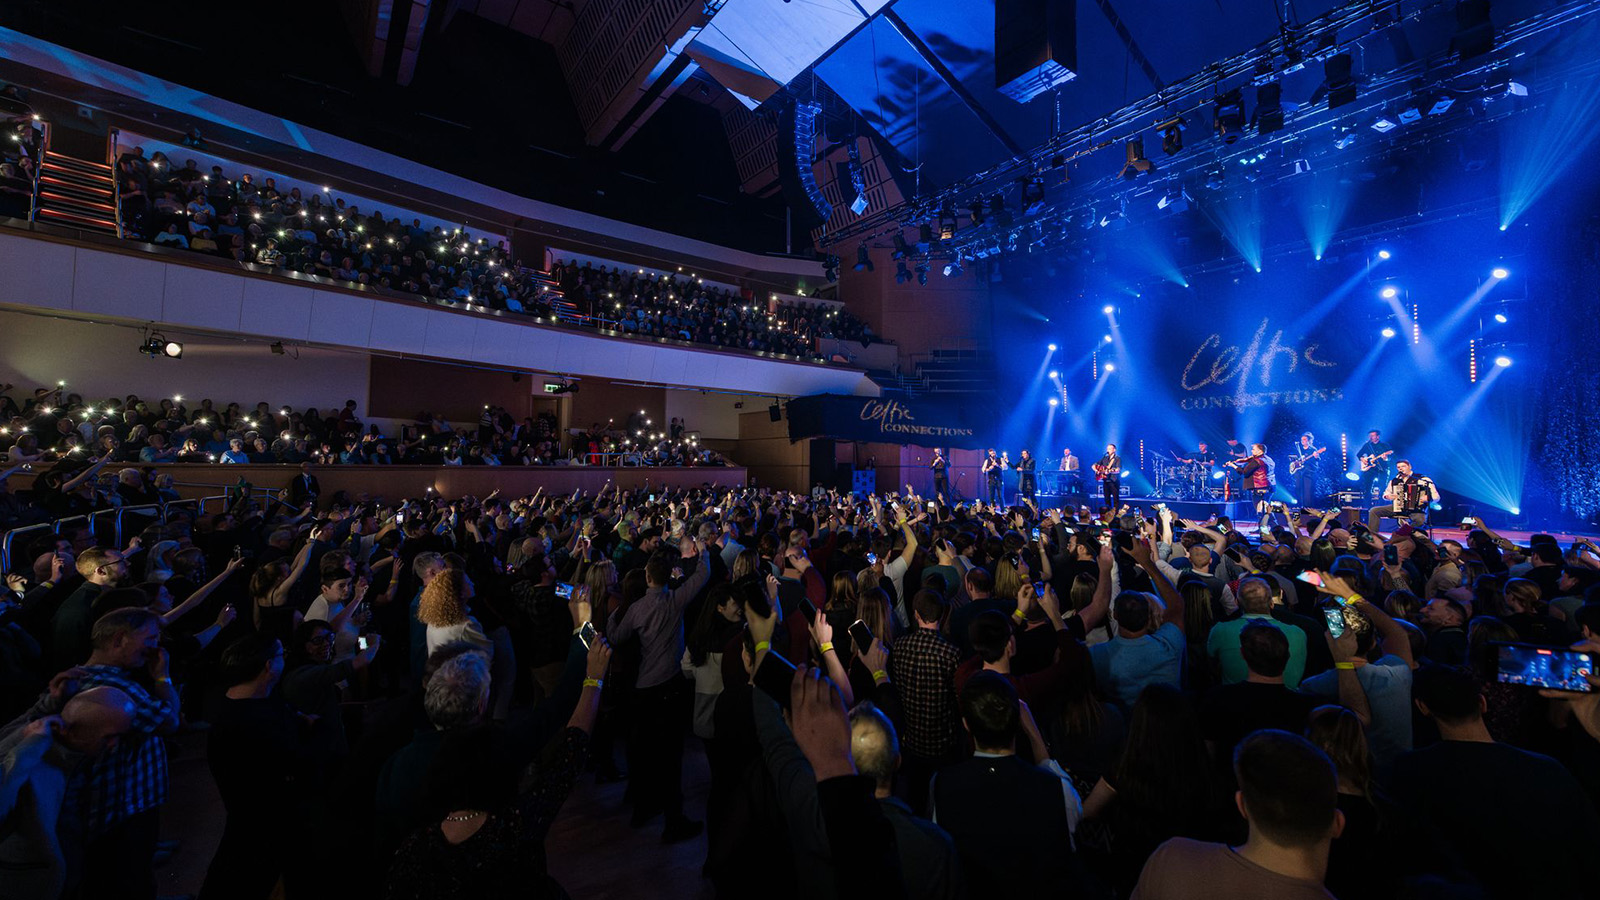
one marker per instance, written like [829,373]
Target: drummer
[1202,457]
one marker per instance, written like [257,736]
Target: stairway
[77,193]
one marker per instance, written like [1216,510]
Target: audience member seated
[236,218]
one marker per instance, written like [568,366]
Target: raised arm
[1099,608]
[281,592]
[1171,597]
[1390,633]
[202,592]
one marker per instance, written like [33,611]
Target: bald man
[37,761]
[928,860]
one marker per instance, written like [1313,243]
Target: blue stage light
[1388,332]
[1500,272]
[1052,348]
[1216,476]
[1112,367]
[1107,339]
[1389,293]
[1352,476]
[1108,310]
[1054,374]
[1502,361]
[1500,317]
[1384,254]
[1054,402]
[1124,473]
[1515,510]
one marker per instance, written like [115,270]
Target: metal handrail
[116,183]
[11,537]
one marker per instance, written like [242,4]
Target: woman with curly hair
[443,609]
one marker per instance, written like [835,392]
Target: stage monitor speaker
[775,412]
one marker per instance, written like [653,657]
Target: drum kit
[1185,481]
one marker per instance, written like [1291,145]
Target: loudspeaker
[820,465]
[775,412]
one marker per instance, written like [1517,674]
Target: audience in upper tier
[242,219]
[398,696]
[21,137]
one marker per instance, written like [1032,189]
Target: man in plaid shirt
[922,665]
[128,784]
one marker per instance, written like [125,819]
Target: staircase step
[59,160]
[67,201]
[87,188]
[80,221]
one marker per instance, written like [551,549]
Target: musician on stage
[1408,494]
[1109,471]
[991,476]
[1071,465]
[1375,457]
[941,473]
[1026,489]
[1202,457]
[1237,454]
[1306,467]
[1260,474]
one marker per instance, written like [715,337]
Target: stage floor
[1242,512]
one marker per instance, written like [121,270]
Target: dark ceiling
[486,102]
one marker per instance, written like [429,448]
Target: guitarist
[1375,456]
[1306,467]
[1108,471]
[991,477]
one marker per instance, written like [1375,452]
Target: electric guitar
[1371,462]
[1297,464]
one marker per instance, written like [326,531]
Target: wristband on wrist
[825,647]
[763,645]
[1018,615]
[1353,598]
[879,676]
[594,683]
[1344,665]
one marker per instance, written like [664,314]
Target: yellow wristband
[1344,665]
[1352,599]
[1018,615]
[879,676]
[593,682]
[763,645]
[826,646]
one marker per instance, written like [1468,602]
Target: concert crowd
[895,697]
[53,424]
[254,219]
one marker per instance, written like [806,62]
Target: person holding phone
[1372,666]
[1528,787]
[664,697]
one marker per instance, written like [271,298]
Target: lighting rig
[1389,107]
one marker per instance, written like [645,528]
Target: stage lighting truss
[1422,90]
